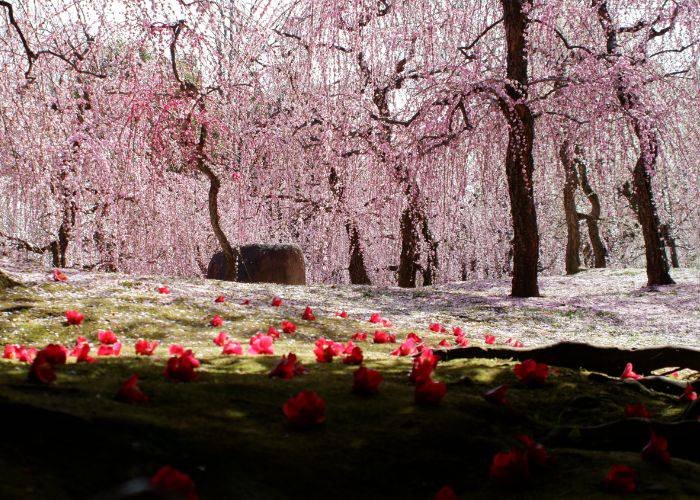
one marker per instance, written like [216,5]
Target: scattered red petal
[308,314]
[164,290]
[629,373]
[637,411]
[276,302]
[220,299]
[288,327]
[366,381]
[531,373]
[59,276]
[232,348]
[222,339]
[182,367]
[74,317]
[429,392]
[288,367]
[656,450]
[174,484]
[497,395]
[145,348]
[306,409]
[261,344]
[106,337]
[130,392]
[620,479]
[216,321]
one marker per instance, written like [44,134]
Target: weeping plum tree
[374,139]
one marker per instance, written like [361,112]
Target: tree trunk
[410,256]
[657,264]
[230,254]
[573,234]
[432,258]
[670,243]
[519,159]
[357,268]
[600,253]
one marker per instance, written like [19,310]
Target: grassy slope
[226,430]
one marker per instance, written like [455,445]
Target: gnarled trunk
[414,224]
[644,206]
[356,268]
[519,158]
[573,234]
[671,244]
[600,253]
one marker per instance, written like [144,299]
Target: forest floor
[71,439]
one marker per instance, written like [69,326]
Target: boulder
[282,263]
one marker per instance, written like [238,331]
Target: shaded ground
[226,430]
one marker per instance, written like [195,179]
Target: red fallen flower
[629,373]
[306,409]
[656,450]
[42,370]
[276,301]
[689,394]
[288,367]
[366,382]
[497,395]
[518,343]
[620,479]
[415,338]
[174,483]
[489,339]
[510,468]
[261,344]
[355,357]
[74,317]
[508,340]
[437,328]
[531,372]
[54,354]
[423,366]
[382,337]
[535,453]
[83,354]
[430,393]
[222,339]
[110,350]
[375,318]
[446,493]
[106,337]
[216,321]
[176,349]
[308,314]
[359,336]
[342,314]
[182,367]
[131,393]
[347,348]
[25,354]
[288,327]
[145,348]
[462,342]
[444,343]
[232,348]
[408,348]
[324,351]
[273,333]
[59,276]
[11,351]
[245,302]
[220,299]
[457,331]
[637,410]
[164,290]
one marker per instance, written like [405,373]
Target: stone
[281,263]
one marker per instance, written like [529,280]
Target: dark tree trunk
[519,159]
[357,267]
[230,254]
[410,256]
[414,224]
[600,253]
[573,234]
[432,258]
[671,244]
[657,264]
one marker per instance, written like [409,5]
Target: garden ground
[71,439]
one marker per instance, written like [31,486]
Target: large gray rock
[282,263]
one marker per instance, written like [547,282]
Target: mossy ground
[226,430]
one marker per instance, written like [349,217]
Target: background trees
[397,143]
